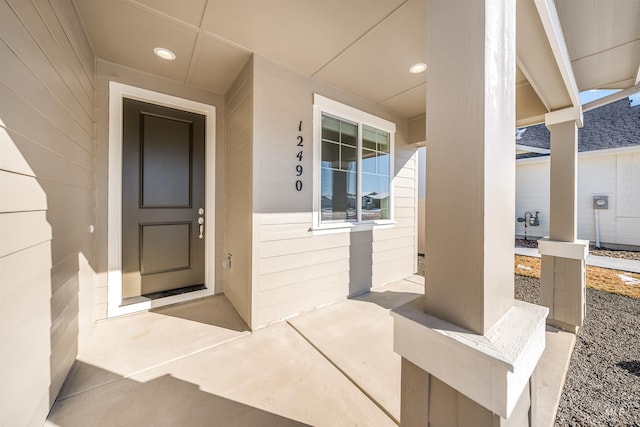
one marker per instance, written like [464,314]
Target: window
[356,157]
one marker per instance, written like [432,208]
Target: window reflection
[339,171]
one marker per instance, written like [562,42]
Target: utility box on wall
[600,202]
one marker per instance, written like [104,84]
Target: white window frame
[336,109]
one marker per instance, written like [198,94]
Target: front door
[163,172]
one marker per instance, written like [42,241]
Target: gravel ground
[603,383]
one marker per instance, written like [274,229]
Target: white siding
[47,150]
[627,201]
[597,177]
[293,269]
[532,194]
[612,173]
[238,191]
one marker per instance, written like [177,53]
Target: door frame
[118,91]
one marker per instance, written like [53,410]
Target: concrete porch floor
[196,364]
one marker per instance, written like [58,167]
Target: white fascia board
[492,369]
[594,153]
[553,29]
[610,151]
[528,149]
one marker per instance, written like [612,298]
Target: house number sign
[299,168]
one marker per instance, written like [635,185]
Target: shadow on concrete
[388,299]
[163,401]
[215,310]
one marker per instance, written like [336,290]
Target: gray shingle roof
[613,125]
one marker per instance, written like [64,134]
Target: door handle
[201,227]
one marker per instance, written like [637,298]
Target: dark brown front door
[163,170]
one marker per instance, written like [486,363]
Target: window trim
[336,109]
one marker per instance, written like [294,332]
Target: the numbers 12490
[299,156]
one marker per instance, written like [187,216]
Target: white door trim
[118,91]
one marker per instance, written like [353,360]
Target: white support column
[563,255]
[468,348]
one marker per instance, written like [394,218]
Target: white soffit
[611,69]
[126,34]
[410,103]
[361,46]
[292,32]
[215,64]
[593,26]
[603,39]
[376,66]
[189,11]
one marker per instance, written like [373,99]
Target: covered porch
[265,79]
[197,363]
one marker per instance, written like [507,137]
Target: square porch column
[562,282]
[469,350]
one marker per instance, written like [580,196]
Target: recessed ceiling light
[418,68]
[164,53]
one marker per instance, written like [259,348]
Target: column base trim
[572,250]
[491,369]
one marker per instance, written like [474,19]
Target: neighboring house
[608,168]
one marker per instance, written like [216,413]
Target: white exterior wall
[293,269]
[532,194]
[612,173]
[47,150]
[422,201]
[238,191]
[106,72]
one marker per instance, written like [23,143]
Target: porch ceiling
[365,46]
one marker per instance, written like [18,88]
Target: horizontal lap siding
[597,176]
[608,174]
[395,249]
[295,270]
[532,194]
[47,147]
[238,193]
[628,199]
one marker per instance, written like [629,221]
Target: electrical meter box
[600,202]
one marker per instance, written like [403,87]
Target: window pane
[375,197]
[349,133]
[340,156]
[349,158]
[368,161]
[330,155]
[338,195]
[368,137]
[384,164]
[330,128]
[384,141]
